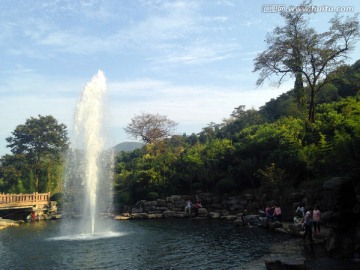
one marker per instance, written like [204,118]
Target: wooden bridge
[22,201]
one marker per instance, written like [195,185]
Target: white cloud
[188,105]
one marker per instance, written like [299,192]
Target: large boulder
[339,198]
[202,212]
[279,265]
[214,215]
[168,213]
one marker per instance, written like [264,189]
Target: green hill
[127,146]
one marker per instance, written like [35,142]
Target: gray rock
[279,265]
[139,216]
[202,212]
[137,210]
[168,213]
[214,214]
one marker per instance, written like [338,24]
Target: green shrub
[58,197]
[152,195]
[123,197]
[226,185]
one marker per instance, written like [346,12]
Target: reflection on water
[149,244]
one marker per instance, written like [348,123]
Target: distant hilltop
[127,146]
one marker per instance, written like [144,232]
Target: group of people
[309,219]
[273,214]
[189,206]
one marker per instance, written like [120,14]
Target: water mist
[88,185]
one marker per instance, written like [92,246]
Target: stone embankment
[46,213]
[338,200]
[4,223]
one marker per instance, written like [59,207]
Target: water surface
[147,244]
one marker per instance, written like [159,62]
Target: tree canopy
[40,141]
[296,49]
[150,127]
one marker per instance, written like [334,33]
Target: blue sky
[189,60]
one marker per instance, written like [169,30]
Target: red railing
[14,200]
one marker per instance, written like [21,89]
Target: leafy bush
[226,185]
[152,195]
[124,197]
[58,197]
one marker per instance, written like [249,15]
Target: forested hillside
[275,145]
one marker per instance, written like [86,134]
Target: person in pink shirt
[316,220]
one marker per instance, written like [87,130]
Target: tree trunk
[299,91]
[312,106]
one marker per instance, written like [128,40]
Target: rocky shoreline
[338,199]
[4,223]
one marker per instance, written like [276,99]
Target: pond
[146,244]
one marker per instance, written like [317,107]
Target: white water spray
[87,176]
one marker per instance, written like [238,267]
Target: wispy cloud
[201,52]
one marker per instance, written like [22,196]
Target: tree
[39,140]
[297,49]
[150,127]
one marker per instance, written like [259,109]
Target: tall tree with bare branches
[150,127]
[297,50]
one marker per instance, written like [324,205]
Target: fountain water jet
[88,163]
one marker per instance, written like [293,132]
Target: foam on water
[87,237]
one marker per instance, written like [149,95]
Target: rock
[121,217]
[224,213]
[176,197]
[274,225]
[206,197]
[161,203]
[154,216]
[263,222]
[339,195]
[179,203]
[199,218]
[47,216]
[139,215]
[340,199]
[326,216]
[170,205]
[168,213]
[279,265]
[157,211]
[4,223]
[214,214]
[340,245]
[253,219]
[296,227]
[229,217]
[281,230]
[202,212]
[137,210]
[181,214]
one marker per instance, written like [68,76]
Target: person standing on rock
[308,222]
[316,220]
